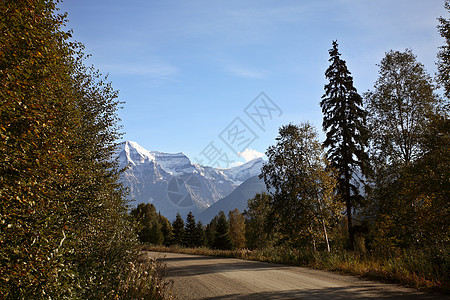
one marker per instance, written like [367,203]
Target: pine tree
[190,232]
[200,236]
[210,232]
[178,230]
[222,238]
[346,133]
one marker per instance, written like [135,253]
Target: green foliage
[64,233]
[344,123]
[178,231]
[222,240]
[194,232]
[151,227]
[258,234]
[166,229]
[210,232]
[399,108]
[302,186]
[408,193]
[200,235]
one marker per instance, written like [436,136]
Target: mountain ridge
[173,183]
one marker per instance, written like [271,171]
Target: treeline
[64,232]
[220,233]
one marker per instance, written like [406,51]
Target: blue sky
[191,72]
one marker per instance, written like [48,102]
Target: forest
[372,199]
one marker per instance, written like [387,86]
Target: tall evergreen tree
[190,232]
[346,133]
[178,230]
[210,232]
[200,236]
[222,238]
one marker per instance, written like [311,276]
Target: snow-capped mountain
[241,173]
[173,183]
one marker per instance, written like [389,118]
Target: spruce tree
[210,232]
[222,238]
[200,236]
[178,230]
[190,239]
[148,222]
[346,133]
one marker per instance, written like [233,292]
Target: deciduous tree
[237,228]
[257,233]
[399,107]
[302,186]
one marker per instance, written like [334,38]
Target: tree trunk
[326,235]
[348,201]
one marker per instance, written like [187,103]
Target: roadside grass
[421,269]
[145,280]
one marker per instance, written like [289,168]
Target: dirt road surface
[200,277]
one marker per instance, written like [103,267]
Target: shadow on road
[350,292]
[209,267]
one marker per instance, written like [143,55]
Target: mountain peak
[173,183]
[130,152]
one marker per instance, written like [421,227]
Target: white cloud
[249,154]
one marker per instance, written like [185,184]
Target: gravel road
[200,277]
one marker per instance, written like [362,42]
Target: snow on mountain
[173,183]
[241,173]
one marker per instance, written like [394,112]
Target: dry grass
[412,269]
[145,280]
